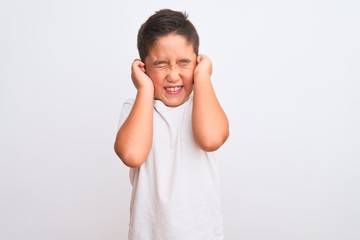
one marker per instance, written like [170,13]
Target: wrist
[201,78]
[146,90]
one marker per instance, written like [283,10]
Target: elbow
[209,147]
[211,143]
[131,159]
[132,162]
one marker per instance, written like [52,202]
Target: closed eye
[160,65]
[184,63]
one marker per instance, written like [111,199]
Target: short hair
[162,23]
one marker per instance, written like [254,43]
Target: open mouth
[173,90]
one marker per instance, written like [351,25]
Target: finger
[199,58]
[137,63]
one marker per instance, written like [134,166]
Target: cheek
[156,78]
[188,77]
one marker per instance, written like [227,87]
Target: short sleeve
[125,111]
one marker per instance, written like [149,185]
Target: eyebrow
[184,60]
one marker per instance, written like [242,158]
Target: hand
[204,67]
[139,77]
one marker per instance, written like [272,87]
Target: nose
[173,74]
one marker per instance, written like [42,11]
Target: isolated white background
[286,72]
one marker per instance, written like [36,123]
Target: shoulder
[129,102]
[125,110]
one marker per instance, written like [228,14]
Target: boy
[168,134]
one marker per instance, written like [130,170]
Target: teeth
[173,89]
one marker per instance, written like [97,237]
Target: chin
[175,103]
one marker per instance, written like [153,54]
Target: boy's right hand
[139,77]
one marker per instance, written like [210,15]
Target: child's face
[170,64]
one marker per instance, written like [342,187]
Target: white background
[286,72]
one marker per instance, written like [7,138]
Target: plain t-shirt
[176,191]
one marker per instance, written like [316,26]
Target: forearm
[209,121]
[134,138]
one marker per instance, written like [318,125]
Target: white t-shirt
[176,192]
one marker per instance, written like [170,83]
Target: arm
[209,121]
[134,138]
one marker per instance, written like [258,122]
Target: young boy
[168,134]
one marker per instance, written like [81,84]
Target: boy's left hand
[203,67]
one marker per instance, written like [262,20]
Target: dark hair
[162,23]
